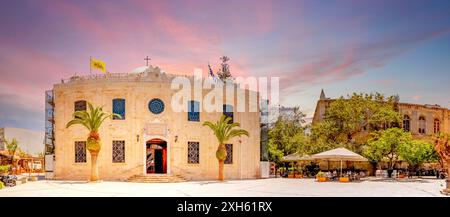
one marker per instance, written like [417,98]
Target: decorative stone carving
[156,128]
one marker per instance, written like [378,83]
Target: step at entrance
[157,178]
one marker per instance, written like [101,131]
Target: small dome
[140,69]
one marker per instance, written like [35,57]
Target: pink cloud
[77,17]
[175,44]
[26,73]
[351,60]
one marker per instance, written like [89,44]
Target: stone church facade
[150,138]
[420,120]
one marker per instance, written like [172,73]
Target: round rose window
[156,106]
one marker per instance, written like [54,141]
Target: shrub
[320,174]
[4,168]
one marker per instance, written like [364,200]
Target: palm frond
[224,131]
[237,133]
[78,121]
[91,118]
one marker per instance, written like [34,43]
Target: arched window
[119,108]
[406,123]
[422,125]
[228,111]
[80,105]
[437,126]
[193,111]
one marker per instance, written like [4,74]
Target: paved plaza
[276,187]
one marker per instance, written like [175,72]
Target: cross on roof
[147,59]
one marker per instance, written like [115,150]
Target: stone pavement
[276,187]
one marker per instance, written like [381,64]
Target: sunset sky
[393,47]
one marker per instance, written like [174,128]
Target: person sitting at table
[410,174]
[328,175]
[334,174]
[362,174]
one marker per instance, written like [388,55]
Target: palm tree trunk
[94,166]
[221,155]
[221,162]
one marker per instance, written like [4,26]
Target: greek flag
[211,73]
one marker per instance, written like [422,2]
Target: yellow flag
[98,64]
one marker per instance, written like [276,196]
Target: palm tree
[12,147]
[91,119]
[224,132]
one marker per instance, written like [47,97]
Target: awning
[339,154]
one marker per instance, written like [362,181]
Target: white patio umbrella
[338,154]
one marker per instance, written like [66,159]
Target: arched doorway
[156,161]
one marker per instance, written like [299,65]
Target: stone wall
[429,113]
[414,111]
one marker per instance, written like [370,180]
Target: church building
[150,137]
[420,120]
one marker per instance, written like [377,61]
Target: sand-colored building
[420,120]
[150,137]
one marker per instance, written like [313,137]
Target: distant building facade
[418,119]
[30,141]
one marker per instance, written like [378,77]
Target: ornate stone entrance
[156,160]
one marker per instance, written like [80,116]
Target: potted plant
[299,173]
[344,179]
[291,172]
[401,175]
[321,177]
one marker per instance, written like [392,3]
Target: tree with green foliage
[386,145]
[92,119]
[224,72]
[417,152]
[21,153]
[12,147]
[323,137]
[41,155]
[349,121]
[224,131]
[287,135]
